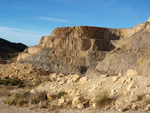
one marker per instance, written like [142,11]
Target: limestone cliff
[74,50]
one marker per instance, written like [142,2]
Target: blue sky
[27,20]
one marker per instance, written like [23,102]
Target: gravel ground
[14,109]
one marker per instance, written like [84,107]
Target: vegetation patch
[17,99]
[102,99]
[60,94]
[34,100]
[15,81]
[4,91]
[41,96]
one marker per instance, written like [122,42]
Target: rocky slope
[23,72]
[92,50]
[126,93]
[9,50]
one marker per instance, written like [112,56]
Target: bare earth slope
[83,49]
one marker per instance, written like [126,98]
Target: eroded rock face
[148,19]
[133,54]
[74,50]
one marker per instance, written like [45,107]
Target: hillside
[92,50]
[82,69]
[9,50]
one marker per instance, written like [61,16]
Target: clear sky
[27,20]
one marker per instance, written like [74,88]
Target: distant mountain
[9,50]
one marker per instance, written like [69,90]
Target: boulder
[75,78]
[77,100]
[130,86]
[51,97]
[83,80]
[80,106]
[131,72]
[95,105]
[61,101]
[53,76]
[147,108]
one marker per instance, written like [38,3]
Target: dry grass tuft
[5,92]
[17,99]
[102,99]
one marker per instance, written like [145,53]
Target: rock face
[75,50]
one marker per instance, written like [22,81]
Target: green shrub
[42,96]
[11,101]
[12,81]
[1,82]
[16,81]
[6,77]
[17,99]
[7,82]
[62,93]
[24,98]
[4,82]
[36,98]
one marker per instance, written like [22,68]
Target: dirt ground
[4,108]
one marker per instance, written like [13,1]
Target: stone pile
[129,91]
[23,71]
